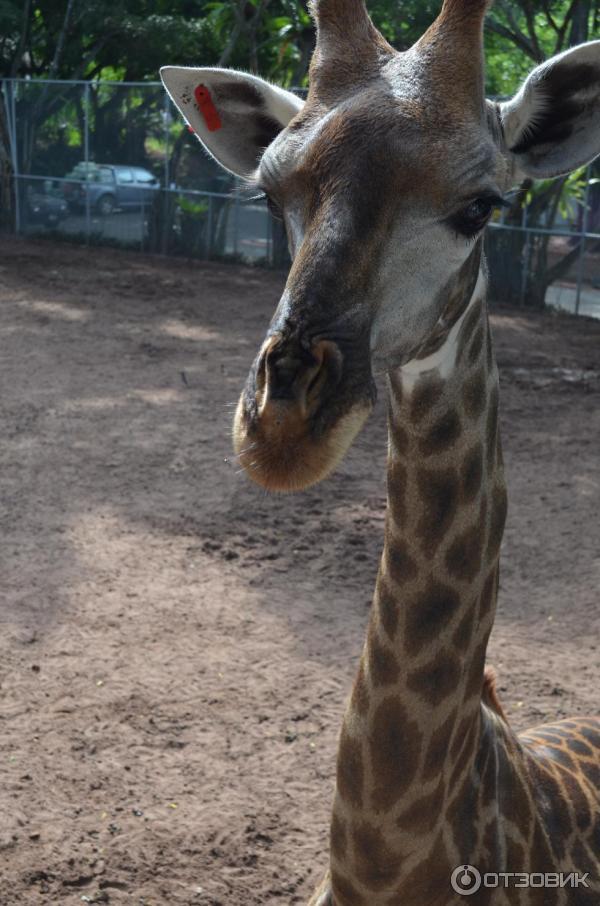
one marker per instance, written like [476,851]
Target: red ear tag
[207,108]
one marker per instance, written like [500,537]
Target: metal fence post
[236,222]
[14,150]
[166,175]
[208,245]
[584,226]
[270,241]
[526,254]
[86,154]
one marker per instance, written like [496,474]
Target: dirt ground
[176,646]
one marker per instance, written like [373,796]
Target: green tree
[129,40]
[522,34]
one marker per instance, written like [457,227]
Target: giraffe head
[385,178]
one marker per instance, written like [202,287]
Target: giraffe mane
[489,692]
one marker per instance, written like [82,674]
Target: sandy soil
[176,647]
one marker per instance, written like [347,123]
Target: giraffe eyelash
[466,224]
[274,209]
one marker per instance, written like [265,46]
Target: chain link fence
[111,163]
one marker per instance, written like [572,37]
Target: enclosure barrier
[112,163]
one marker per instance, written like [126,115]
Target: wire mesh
[112,163]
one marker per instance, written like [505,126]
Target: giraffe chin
[278,451]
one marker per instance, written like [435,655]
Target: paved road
[247,229]
[565,297]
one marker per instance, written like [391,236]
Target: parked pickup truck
[109,186]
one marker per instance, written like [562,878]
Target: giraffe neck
[411,731]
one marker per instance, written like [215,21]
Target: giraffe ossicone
[386,178]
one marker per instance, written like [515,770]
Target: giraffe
[386,178]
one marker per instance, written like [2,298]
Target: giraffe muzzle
[287,434]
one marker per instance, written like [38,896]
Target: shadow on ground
[177,646]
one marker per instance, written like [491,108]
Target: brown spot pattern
[474,394]
[474,687]
[579,801]
[489,590]
[360,692]
[344,891]
[421,816]
[400,440]
[476,345]
[428,614]
[396,484]
[592,735]
[464,630]
[462,816]
[350,769]
[492,428]
[387,606]
[439,494]
[472,473]
[394,743]
[338,837]
[515,852]
[444,432]
[400,564]
[579,747]
[376,866]
[464,730]
[383,667]
[435,681]
[463,557]
[515,801]
[424,397]
[563,758]
[437,750]
[424,887]
[488,770]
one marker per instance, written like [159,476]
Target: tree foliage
[131,39]
[128,40]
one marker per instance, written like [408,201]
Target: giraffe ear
[235,115]
[552,126]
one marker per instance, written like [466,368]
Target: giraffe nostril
[319,373]
[297,373]
[261,374]
[316,382]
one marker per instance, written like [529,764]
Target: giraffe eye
[472,218]
[479,210]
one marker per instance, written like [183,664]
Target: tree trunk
[580,30]
[504,252]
